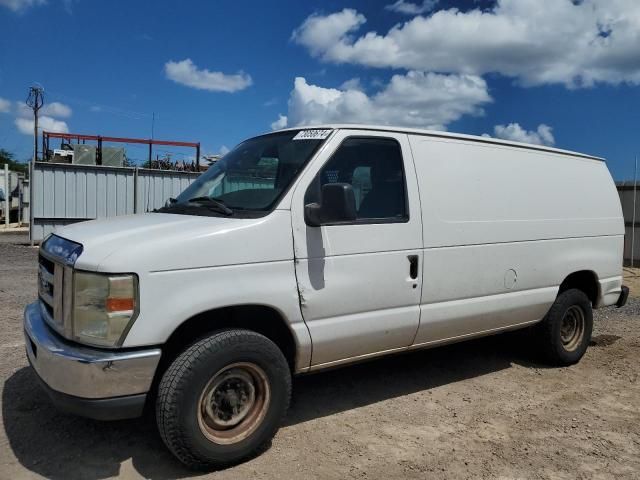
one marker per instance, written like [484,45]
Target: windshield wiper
[219,205]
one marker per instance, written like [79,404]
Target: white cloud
[281,122]
[25,125]
[46,120]
[541,136]
[22,110]
[321,34]
[224,150]
[56,109]
[409,8]
[187,73]
[575,43]
[417,99]
[352,84]
[21,5]
[5,105]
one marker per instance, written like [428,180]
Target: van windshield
[250,179]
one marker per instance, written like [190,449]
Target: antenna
[35,101]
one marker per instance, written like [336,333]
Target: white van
[310,248]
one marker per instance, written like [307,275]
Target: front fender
[169,298]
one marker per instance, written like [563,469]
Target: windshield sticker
[317,134]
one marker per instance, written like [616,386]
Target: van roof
[439,134]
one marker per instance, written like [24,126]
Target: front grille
[46,263]
[50,291]
[55,282]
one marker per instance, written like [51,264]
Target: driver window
[374,168]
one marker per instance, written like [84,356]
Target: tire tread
[173,383]
[547,328]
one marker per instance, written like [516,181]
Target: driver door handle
[413,266]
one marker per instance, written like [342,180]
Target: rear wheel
[223,398]
[565,332]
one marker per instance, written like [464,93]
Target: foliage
[8,157]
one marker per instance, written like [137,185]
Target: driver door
[360,282]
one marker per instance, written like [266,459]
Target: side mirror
[338,205]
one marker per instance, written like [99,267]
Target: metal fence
[632,233]
[5,196]
[13,202]
[66,193]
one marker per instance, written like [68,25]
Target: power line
[134,115]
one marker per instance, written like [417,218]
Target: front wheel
[565,332]
[223,398]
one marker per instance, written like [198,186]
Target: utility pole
[633,216]
[7,196]
[35,101]
[153,121]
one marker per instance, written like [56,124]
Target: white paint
[358,296]
[482,193]
[190,264]
[477,210]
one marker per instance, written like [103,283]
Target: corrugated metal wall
[66,193]
[233,183]
[14,192]
[156,186]
[625,191]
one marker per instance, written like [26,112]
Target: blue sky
[555,72]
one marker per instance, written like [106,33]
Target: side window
[374,168]
[361,183]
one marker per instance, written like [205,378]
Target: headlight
[104,307]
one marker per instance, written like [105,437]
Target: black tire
[184,421]
[559,346]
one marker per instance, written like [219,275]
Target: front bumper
[97,383]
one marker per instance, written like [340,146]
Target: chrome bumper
[85,372]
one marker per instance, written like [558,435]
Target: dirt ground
[481,409]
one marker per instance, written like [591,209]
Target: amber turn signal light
[119,304]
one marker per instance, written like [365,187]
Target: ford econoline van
[310,248]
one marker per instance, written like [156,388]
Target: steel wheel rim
[572,328]
[233,403]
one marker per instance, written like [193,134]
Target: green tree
[8,157]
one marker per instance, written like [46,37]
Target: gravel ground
[481,409]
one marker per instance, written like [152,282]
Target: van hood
[154,242]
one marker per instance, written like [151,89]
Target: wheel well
[258,318]
[584,280]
